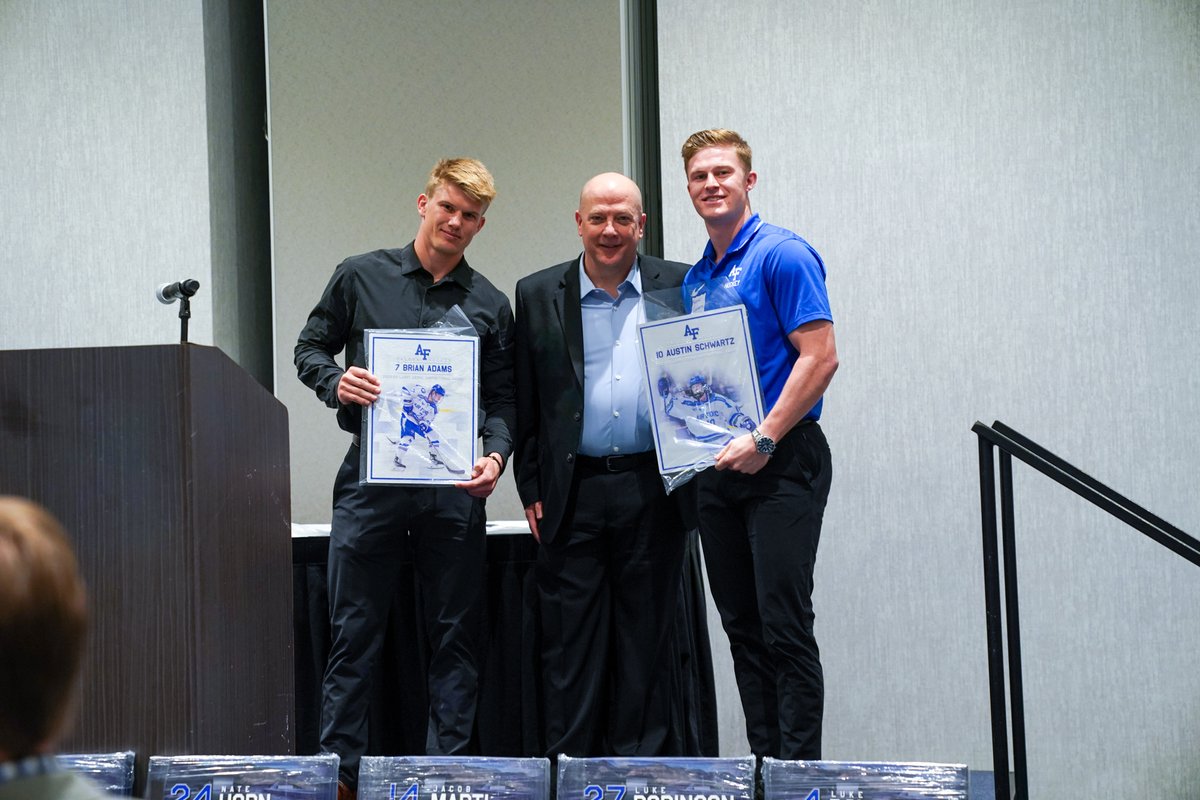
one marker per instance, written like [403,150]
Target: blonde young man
[761,508]
[43,625]
[611,541]
[410,287]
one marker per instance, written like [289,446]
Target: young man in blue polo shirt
[761,508]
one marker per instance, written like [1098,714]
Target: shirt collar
[409,264]
[633,280]
[27,768]
[743,237]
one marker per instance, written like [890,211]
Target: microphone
[168,293]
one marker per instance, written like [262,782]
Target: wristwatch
[762,443]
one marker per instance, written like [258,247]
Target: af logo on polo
[733,279]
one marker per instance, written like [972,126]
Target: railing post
[995,627]
[1013,627]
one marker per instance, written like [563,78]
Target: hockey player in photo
[709,417]
[418,407]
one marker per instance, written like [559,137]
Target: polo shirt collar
[743,237]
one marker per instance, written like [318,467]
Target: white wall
[366,97]
[1005,196]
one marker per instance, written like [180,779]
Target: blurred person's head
[43,627]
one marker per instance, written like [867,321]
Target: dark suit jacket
[549,369]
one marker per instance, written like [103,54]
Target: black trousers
[609,590]
[760,535]
[372,525]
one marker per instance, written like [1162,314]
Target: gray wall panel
[239,206]
[1005,197]
[103,169]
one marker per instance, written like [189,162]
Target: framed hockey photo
[422,429]
[703,385]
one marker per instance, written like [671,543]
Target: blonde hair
[43,626]
[717,137]
[468,174]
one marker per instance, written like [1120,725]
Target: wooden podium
[168,466]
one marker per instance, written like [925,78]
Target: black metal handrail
[1004,616]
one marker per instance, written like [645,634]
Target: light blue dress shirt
[616,410]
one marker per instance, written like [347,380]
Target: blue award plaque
[453,778]
[112,772]
[655,778]
[242,778]
[863,780]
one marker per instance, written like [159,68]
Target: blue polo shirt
[780,280]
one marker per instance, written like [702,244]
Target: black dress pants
[608,585]
[760,535]
[444,529]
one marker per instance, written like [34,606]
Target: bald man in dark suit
[611,540]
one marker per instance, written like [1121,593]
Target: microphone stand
[185,313]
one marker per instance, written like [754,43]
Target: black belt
[622,463]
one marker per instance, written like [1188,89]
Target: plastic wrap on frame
[655,778]
[112,772]
[728,388]
[453,778]
[863,780]
[453,323]
[242,778]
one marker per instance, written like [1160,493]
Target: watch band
[763,443]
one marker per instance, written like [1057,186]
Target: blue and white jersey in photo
[417,408]
[711,419]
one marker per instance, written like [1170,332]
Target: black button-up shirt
[390,289]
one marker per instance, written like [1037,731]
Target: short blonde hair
[43,626]
[717,137]
[468,174]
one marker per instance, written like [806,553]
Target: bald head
[611,224]
[611,186]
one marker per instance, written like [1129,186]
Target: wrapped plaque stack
[242,778]
[453,778]
[863,780]
[112,772]
[655,778]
